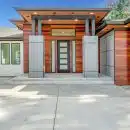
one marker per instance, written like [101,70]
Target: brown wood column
[26,32]
[79,62]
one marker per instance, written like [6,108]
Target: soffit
[18,23]
[28,13]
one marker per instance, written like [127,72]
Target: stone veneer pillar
[36,56]
[90,56]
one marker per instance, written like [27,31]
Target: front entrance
[63,56]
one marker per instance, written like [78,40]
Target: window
[5,53]
[63,32]
[10,53]
[15,53]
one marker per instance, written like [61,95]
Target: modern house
[69,41]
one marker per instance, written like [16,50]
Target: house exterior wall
[11,69]
[46,31]
[122,57]
[107,54]
[114,51]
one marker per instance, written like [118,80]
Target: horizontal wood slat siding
[122,57]
[47,56]
[79,56]
[80,32]
[46,31]
[26,33]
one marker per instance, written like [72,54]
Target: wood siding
[122,57]
[46,30]
[26,33]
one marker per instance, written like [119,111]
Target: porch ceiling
[70,13]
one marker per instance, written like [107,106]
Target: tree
[120,10]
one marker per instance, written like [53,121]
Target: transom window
[63,32]
[10,53]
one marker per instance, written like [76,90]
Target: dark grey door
[63,56]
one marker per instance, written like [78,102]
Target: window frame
[9,52]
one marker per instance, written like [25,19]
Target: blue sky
[7,12]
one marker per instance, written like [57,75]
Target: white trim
[53,56]
[12,70]
[73,56]
[10,56]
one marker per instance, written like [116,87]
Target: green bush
[120,10]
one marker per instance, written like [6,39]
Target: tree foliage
[120,10]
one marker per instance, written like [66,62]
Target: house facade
[74,41]
[11,51]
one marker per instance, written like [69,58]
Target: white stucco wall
[12,70]
[107,54]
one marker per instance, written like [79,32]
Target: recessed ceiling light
[35,13]
[91,13]
[49,19]
[76,20]
[54,13]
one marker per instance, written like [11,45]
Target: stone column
[39,27]
[90,56]
[93,26]
[33,27]
[36,56]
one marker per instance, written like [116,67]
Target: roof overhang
[62,14]
[18,23]
[107,26]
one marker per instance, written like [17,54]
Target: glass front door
[63,56]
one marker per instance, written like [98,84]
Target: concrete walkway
[64,107]
[61,78]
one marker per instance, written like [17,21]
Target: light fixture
[35,13]
[49,20]
[91,13]
[76,20]
[126,26]
[63,32]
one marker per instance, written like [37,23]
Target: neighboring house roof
[7,33]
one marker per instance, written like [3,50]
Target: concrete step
[61,81]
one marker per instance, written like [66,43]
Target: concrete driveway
[64,107]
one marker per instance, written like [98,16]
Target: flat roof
[62,9]
[59,14]
[107,26]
